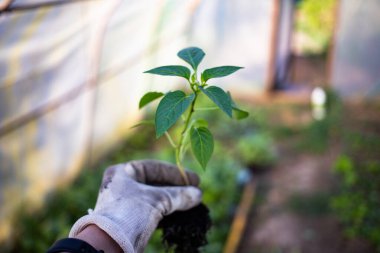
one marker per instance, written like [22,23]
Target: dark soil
[185,231]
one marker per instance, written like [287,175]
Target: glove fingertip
[196,193]
[192,196]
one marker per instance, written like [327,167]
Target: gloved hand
[133,198]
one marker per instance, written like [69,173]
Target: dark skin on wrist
[99,239]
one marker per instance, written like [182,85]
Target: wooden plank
[240,220]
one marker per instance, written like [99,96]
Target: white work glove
[129,205]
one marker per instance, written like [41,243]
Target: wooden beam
[240,220]
[269,84]
[332,47]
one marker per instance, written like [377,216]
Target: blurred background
[71,76]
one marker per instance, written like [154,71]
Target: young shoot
[178,104]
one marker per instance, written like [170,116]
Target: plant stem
[180,167]
[172,143]
[180,144]
[206,108]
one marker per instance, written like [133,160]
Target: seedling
[182,104]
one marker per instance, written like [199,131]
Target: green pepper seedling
[181,104]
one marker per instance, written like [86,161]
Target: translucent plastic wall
[236,32]
[71,76]
[356,58]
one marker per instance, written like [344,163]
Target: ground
[291,211]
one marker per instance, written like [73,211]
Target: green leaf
[171,70]
[170,108]
[218,72]
[202,144]
[144,123]
[200,123]
[237,112]
[192,55]
[149,97]
[220,98]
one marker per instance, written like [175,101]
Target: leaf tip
[158,134]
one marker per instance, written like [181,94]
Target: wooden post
[330,56]
[240,220]
[269,84]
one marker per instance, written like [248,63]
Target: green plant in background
[182,104]
[256,149]
[358,202]
[316,20]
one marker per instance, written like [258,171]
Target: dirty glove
[134,197]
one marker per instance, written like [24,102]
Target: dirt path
[291,213]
